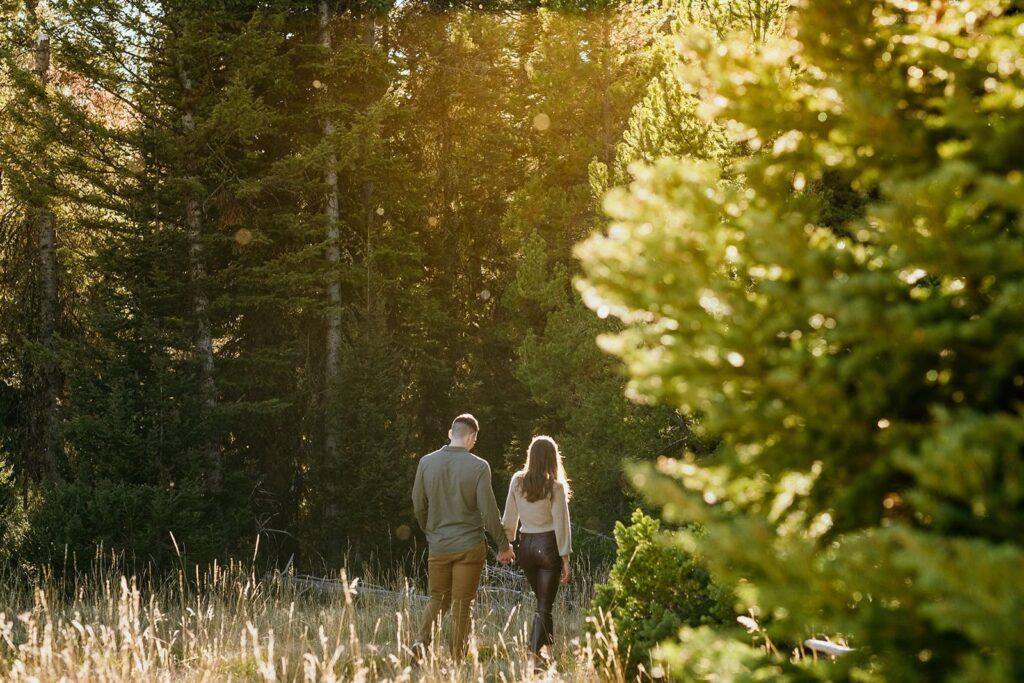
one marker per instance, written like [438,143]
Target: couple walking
[454,504]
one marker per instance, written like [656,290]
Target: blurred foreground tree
[844,307]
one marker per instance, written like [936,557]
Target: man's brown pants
[452,580]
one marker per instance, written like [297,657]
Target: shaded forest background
[256,255]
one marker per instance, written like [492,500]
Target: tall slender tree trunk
[606,104]
[449,221]
[450,244]
[333,256]
[200,298]
[369,213]
[369,41]
[49,447]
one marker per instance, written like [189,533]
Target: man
[454,504]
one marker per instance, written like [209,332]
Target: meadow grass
[228,623]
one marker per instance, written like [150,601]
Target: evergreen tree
[30,183]
[149,418]
[470,131]
[844,319]
[362,404]
[568,389]
[283,267]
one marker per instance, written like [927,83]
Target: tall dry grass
[226,623]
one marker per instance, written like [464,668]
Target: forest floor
[228,624]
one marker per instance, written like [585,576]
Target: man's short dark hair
[464,425]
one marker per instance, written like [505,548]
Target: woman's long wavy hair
[543,467]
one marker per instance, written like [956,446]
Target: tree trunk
[333,255]
[200,299]
[606,105]
[48,438]
[369,40]
[451,238]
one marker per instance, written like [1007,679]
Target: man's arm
[510,517]
[419,497]
[488,507]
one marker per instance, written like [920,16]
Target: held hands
[507,556]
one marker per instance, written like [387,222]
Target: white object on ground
[826,647]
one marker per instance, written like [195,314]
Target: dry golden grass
[228,624]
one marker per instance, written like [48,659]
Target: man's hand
[507,556]
[566,573]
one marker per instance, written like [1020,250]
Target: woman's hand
[566,572]
[507,556]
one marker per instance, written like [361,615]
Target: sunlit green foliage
[653,588]
[862,363]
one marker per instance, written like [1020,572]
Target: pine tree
[576,394]
[30,188]
[844,319]
[332,360]
[151,415]
[226,375]
[567,389]
[360,403]
[468,129]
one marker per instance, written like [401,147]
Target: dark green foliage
[135,518]
[12,518]
[189,152]
[372,502]
[654,588]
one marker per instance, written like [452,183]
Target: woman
[539,497]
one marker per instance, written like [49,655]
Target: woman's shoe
[419,653]
[539,663]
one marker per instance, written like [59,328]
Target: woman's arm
[560,517]
[563,529]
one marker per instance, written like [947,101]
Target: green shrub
[653,589]
[12,514]
[73,519]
